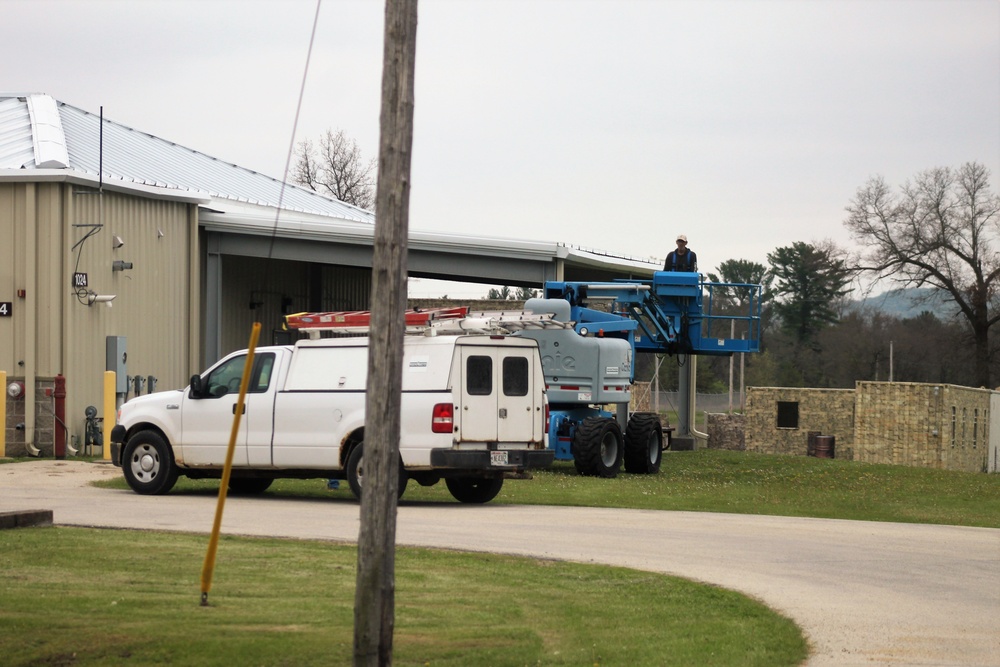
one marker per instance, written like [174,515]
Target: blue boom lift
[591,367]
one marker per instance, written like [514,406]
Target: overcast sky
[606,124]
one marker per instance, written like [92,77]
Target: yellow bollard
[110,412]
[3,414]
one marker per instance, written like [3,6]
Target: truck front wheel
[148,464]
[474,489]
[356,472]
[643,443]
[597,447]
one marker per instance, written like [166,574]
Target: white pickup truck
[473,412]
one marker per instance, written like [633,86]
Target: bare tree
[336,169]
[375,592]
[940,230]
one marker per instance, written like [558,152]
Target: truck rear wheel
[148,464]
[643,443]
[474,489]
[356,472]
[597,447]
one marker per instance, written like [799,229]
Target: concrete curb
[25,519]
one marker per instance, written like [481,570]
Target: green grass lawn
[737,482]
[74,596]
[89,597]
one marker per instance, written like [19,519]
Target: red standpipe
[59,446]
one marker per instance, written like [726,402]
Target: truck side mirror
[196,388]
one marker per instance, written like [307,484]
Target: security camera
[100,298]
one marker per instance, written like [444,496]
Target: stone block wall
[828,411]
[726,431]
[925,425]
[640,398]
[45,419]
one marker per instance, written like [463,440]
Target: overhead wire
[208,566]
[291,143]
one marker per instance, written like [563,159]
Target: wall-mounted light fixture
[119,265]
[116,242]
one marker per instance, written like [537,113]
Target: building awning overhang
[112,185]
[260,232]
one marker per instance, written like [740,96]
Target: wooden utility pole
[374,598]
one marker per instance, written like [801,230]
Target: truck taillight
[443,418]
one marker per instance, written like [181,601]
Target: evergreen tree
[809,281]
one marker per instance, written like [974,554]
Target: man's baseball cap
[681,237]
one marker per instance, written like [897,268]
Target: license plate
[498,459]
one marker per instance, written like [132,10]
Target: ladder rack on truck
[429,322]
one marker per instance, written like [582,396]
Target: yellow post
[209,565]
[110,412]
[3,414]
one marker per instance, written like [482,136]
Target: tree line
[940,230]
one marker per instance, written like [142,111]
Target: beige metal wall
[346,288]
[262,290]
[8,284]
[28,243]
[52,331]
[152,307]
[252,291]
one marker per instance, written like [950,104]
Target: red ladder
[360,319]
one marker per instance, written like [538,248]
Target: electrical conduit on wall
[30,316]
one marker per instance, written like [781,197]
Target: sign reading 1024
[6,308]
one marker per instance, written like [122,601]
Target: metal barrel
[824,447]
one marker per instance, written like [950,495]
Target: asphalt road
[865,593]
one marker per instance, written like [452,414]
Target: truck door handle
[243,412]
[503,413]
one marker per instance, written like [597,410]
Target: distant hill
[909,303]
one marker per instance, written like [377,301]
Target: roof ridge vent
[47,135]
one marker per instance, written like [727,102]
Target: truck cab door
[497,396]
[207,418]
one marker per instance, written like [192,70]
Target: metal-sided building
[120,250]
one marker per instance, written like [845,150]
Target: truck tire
[474,489]
[643,443]
[148,464]
[597,447]
[248,486]
[356,472]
